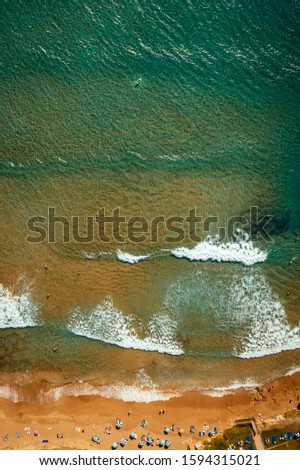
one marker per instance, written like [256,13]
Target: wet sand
[92,414]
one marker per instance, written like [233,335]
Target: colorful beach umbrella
[166,430]
[114,445]
[161,443]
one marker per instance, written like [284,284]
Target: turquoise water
[212,125]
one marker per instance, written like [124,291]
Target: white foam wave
[293,371]
[265,323]
[132,393]
[141,390]
[9,393]
[108,324]
[118,391]
[16,310]
[238,252]
[128,258]
[230,389]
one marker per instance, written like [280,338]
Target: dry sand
[92,414]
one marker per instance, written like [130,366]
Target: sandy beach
[80,418]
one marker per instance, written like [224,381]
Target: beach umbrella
[161,443]
[95,438]
[133,435]
[114,446]
[166,430]
[167,444]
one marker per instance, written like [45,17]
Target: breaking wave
[108,324]
[16,310]
[238,252]
[267,328]
[128,258]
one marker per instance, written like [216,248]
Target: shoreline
[92,414]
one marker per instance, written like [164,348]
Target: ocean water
[212,125]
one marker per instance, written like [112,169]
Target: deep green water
[213,125]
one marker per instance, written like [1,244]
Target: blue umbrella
[133,435]
[95,438]
[167,444]
[114,446]
[161,443]
[166,430]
